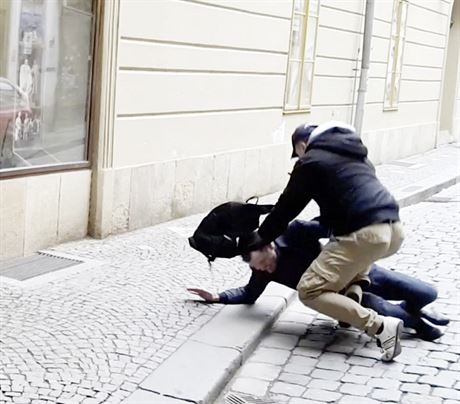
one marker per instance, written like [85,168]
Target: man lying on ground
[284,261]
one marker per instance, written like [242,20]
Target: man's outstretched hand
[205,295]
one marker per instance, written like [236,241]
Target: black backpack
[217,234]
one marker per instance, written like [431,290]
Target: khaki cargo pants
[345,260]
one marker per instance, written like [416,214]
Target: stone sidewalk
[307,359]
[100,331]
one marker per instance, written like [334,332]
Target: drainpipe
[362,89]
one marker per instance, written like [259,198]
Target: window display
[45,72]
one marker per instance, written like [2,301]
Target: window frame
[392,103]
[306,16]
[15,172]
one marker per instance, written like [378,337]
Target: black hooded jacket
[335,172]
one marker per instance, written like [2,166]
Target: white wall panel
[334,67]
[158,92]
[438,6]
[334,43]
[142,140]
[356,6]
[145,55]
[375,90]
[332,90]
[423,55]
[279,8]
[421,73]
[419,91]
[171,20]
[379,50]
[426,19]
[384,10]
[407,114]
[341,20]
[426,38]
[381,28]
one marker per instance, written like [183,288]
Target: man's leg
[424,330]
[393,285]
[338,264]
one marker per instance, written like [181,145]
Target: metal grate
[233,398]
[38,264]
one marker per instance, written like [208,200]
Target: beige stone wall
[40,211]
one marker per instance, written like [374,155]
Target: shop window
[299,80]
[45,71]
[395,55]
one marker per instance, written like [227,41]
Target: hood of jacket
[339,139]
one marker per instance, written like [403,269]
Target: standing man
[363,218]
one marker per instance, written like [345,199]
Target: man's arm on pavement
[245,294]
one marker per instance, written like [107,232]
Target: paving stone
[411,398]
[332,365]
[418,388]
[326,374]
[320,384]
[404,377]
[293,390]
[384,383]
[351,378]
[357,400]
[272,356]
[366,371]
[437,381]
[261,371]
[355,389]
[294,378]
[254,387]
[297,400]
[453,394]
[322,395]
[281,341]
[382,395]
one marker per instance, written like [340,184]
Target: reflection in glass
[292,90]
[48,63]
[296,37]
[307,78]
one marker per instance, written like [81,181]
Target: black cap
[301,133]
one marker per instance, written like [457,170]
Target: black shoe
[427,332]
[434,317]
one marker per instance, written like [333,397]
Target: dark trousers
[391,285]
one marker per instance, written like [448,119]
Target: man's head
[264,260]
[300,139]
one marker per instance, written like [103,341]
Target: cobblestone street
[307,359]
[93,336]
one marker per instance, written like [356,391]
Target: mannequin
[26,127]
[25,78]
[18,127]
[35,71]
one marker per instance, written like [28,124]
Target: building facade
[149,110]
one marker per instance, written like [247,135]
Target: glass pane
[299,6]
[292,85]
[403,19]
[82,5]
[296,37]
[310,39]
[307,80]
[45,83]
[396,85]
